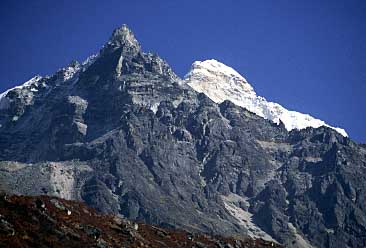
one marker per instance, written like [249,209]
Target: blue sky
[308,55]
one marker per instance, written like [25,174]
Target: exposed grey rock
[5,227]
[128,137]
[58,204]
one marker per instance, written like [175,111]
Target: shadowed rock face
[126,135]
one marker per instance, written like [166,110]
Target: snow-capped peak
[226,81]
[220,82]
[67,73]
[30,83]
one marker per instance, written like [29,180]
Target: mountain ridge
[220,82]
[127,136]
[237,90]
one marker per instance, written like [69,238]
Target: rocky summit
[124,134]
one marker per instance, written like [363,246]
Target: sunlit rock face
[124,134]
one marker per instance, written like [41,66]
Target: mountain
[52,222]
[123,133]
[220,82]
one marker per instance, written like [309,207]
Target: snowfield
[220,82]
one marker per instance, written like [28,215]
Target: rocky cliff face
[124,134]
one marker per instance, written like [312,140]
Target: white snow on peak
[68,72]
[89,61]
[220,82]
[30,83]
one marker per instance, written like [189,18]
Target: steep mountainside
[124,134]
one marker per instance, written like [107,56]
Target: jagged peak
[123,37]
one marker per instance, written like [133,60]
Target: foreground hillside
[51,222]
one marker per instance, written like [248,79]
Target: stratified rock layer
[124,134]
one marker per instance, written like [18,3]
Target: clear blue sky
[308,55]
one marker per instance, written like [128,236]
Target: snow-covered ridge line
[68,71]
[220,82]
[89,61]
[28,83]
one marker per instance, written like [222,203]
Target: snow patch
[220,82]
[89,61]
[154,107]
[31,83]
[67,73]
[70,71]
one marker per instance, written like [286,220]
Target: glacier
[220,82]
